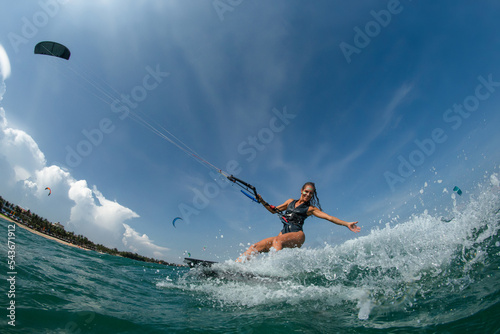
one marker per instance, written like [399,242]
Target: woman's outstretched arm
[320,214]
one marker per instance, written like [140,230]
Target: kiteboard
[204,269]
[196,262]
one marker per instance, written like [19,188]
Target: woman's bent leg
[262,246]
[288,240]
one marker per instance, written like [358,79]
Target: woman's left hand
[353,227]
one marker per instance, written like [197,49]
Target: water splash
[422,269]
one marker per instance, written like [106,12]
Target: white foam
[386,269]
[494,180]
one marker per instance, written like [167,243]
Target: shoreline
[42,234]
[135,256]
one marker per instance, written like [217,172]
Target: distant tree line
[35,222]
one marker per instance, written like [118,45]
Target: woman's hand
[259,198]
[353,227]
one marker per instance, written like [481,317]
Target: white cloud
[52,177]
[91,207]
[96,217]
[2,89]
[139,243]
[4,65]
[24,155]
[82,209]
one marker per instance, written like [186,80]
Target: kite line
[110,96]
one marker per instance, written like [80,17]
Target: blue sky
[385,105]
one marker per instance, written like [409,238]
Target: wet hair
[314,199]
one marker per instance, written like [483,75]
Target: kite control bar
[247,188]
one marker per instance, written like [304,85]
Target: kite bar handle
[249,196]
[236,180]
[250,187]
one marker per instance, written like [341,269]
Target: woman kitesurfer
[296,211]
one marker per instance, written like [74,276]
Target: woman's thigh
[264,245]
[290,240]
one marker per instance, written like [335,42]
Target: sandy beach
[41,234]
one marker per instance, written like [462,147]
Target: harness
[295,217]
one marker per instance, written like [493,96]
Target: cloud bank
[83,209]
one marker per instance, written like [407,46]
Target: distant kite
[176,219]
[52,49]
[50,191]
[457,189]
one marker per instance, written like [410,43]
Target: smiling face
[307,192]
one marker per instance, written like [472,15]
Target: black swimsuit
[295,217]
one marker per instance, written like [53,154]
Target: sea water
[422,275]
